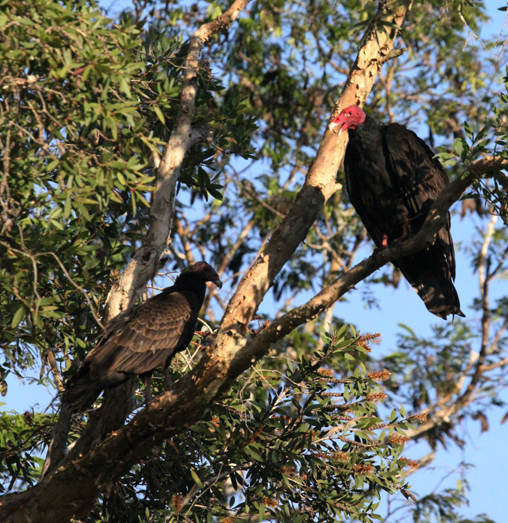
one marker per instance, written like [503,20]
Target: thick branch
[144,265]
[319,186]
[118,402]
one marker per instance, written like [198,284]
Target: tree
[119,143]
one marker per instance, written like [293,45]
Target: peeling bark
[118,402]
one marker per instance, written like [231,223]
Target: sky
[487,451]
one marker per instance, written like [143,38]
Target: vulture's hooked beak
[333,125]
[217,282]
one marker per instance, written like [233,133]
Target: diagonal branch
[319,185]
[143,266]
[119,402]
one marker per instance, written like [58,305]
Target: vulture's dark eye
[350,113]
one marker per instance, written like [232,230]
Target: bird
[141,339]
[392,179]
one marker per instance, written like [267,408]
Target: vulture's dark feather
[392,180]
[143,338]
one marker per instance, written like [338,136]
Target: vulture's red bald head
[349,118]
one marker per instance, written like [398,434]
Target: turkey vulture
[142,338]
[393,179]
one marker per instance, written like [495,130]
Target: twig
[392,55]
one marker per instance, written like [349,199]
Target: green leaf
[196,479]
[457,146]
[159,114]
[261,512]
[253,454]
[18,316]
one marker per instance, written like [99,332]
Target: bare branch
[143,266]
[53,365]
[497,365]
[184,238]
[392,55]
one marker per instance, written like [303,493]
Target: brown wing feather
[135,342]
[153,333]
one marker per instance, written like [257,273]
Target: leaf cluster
[300,445]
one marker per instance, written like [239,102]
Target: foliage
[78,127]
[443,506]
[87,105]
[299,445]
[20,435]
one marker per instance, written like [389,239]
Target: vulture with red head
[142,338]
[393,179]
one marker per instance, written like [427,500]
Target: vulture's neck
[191,283]
[368,127]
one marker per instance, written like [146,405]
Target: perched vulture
[142,339]
[392,180]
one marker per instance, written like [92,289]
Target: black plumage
[392,180]
[142,338]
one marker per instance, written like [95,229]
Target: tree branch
[118,402]
[144,265]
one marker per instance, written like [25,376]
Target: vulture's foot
[404,236]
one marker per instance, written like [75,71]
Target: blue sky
[487,452]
